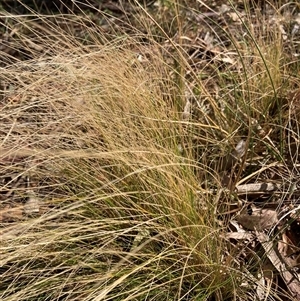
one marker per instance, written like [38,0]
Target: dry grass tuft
[97,132]
[114,157]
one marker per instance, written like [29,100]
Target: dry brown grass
[126,209]
[98,133]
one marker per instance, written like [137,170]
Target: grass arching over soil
[126,210]
[102,136]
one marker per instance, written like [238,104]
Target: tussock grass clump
[119,217]
[118,180]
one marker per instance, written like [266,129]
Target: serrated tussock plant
[97,133]
[131,201]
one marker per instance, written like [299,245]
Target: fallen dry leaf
[260,219]
[239,235]
[291,280]
[32,206]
